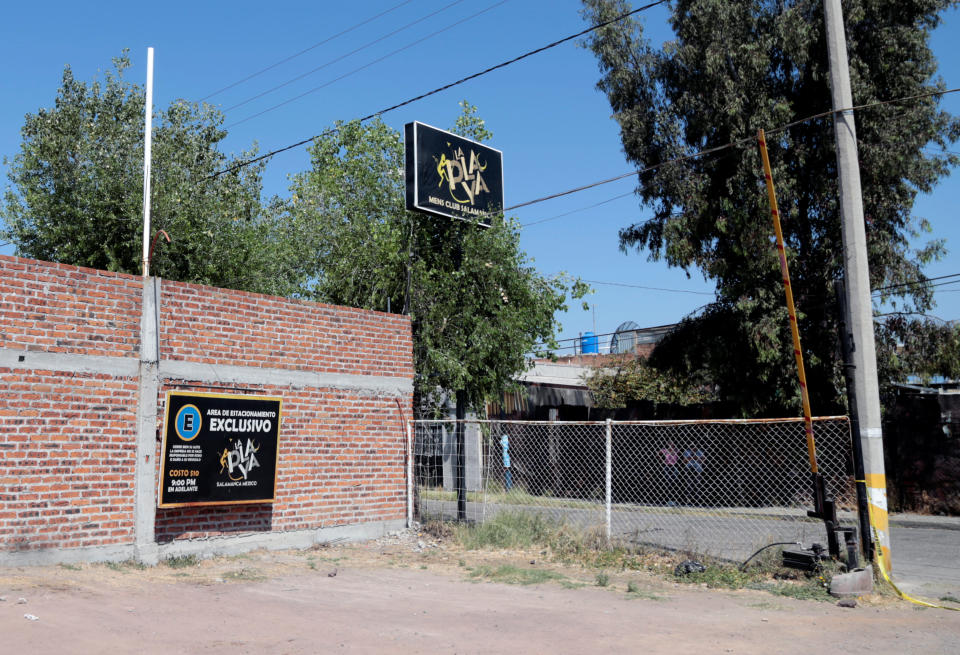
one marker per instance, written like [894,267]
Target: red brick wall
[66,309]
[68,440]
[66,459]
[218,326]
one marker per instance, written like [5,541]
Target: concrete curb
[925,522]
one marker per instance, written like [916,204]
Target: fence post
[609,474]
[409,474]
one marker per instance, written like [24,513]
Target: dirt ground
[408,593]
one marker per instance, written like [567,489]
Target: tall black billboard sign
[448,175]
[218,449]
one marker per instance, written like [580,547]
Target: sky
[545,113]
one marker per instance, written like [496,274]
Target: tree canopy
[732,68]
[343,236]
[76,192]
[477,303]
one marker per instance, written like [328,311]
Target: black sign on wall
[448,175]
[218,449]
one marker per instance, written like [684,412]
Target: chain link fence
[719,488]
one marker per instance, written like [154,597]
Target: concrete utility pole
[859,311]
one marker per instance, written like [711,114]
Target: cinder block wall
[71,379]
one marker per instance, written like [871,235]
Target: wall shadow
[196,522]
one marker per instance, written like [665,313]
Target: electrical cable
[638,286]
[574,211]
[344,56]
[732,144]
[638,171]
[365,66]
[743,567]
[874,295]
[919,282]
[737,142]
[936,318]
[936,151]
[441,88]
[603,202]
[306,50]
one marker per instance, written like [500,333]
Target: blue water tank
[589,343]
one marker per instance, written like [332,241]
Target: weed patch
[720,577]
[507,530]
[126,566]
[808,590]
[590,548]
[181,561]
[510,574]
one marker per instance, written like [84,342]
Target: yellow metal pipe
[794,330]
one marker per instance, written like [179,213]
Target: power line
[921,282]
[574,211]
[342,57]
[639,171]
[936,318]
[442,88]
[638,286]
[939,151]
[948,277]
[694,155]
[602,202]
[731,144]
[306,50]
[358,69]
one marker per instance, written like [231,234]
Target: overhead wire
[732,144]
[639,286]
[306,50]
[440,89]
[918,282]
[936,318]
[598,204]
[349,54]
[699,153]
[580,209]
[367,65]
[875,295]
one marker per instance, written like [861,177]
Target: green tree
[732,68]
[925,348]
[635,380]
[477,303]
[76,191]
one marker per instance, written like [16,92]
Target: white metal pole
[859,319]
[609,475]
[409,474]
[147,143]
